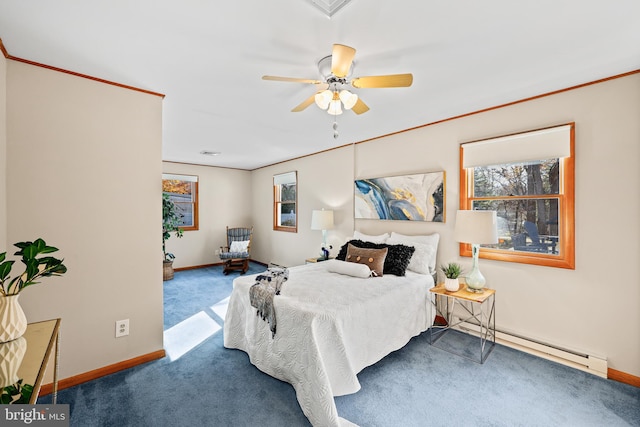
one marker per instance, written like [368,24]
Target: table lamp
[322,220]
[476,228]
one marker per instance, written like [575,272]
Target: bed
[330,326]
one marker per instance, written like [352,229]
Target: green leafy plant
[451,270]
[16,393]
[170,224]
[35,267]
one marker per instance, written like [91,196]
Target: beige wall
[85,159]
[588,309]
[562,307]
[224,199]
[3,153]
[92,140]
[325,180]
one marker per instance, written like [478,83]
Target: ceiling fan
[336,70]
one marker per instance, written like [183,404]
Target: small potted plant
[452,272]
[170,224]
[13,322]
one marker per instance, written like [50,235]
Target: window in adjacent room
[183,191]
[285,196]
[528,179]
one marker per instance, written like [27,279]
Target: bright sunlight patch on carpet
[186,335]
[220,308]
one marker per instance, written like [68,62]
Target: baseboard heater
[585,362]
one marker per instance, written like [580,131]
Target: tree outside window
[285,189]
[521,194]
[183,191]
[534,199]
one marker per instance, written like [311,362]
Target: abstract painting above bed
[418,197]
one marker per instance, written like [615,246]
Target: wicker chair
[237,253]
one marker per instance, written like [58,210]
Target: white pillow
[239,246]
[422,256]
[348,268]
[382,238]
[429,240]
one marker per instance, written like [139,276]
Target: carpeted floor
[200,383]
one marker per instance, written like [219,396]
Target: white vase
[451,285]
[13,322]
[11,355]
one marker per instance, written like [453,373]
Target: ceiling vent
[329,7]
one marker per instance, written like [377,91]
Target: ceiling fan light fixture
[335,107]
[335,74]
[348,99]
[323,99]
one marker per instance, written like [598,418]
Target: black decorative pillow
[398,259]
[396,262]
[372,258]
[342,253]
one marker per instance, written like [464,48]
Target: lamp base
[475,280]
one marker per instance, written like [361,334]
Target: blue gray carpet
[419,385]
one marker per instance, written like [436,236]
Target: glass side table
[26,358]
[469,320]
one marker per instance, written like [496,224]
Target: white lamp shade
[321,220]
[323,98]
[335,108]
[348,99]
[480,227]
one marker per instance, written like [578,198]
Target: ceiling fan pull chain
[335,128]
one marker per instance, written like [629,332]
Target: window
[183,191]
[285,196]
[528,179]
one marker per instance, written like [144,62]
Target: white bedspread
[330,327]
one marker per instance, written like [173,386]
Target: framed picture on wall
[417,197]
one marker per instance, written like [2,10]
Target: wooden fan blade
[310,100]
[360,107]
[391,80]
[304,104]
[291,79]
[341,59]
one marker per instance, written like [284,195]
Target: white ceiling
[208,57]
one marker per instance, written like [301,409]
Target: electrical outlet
[122,328]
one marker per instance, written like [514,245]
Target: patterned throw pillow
[372,258]
[239,246]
